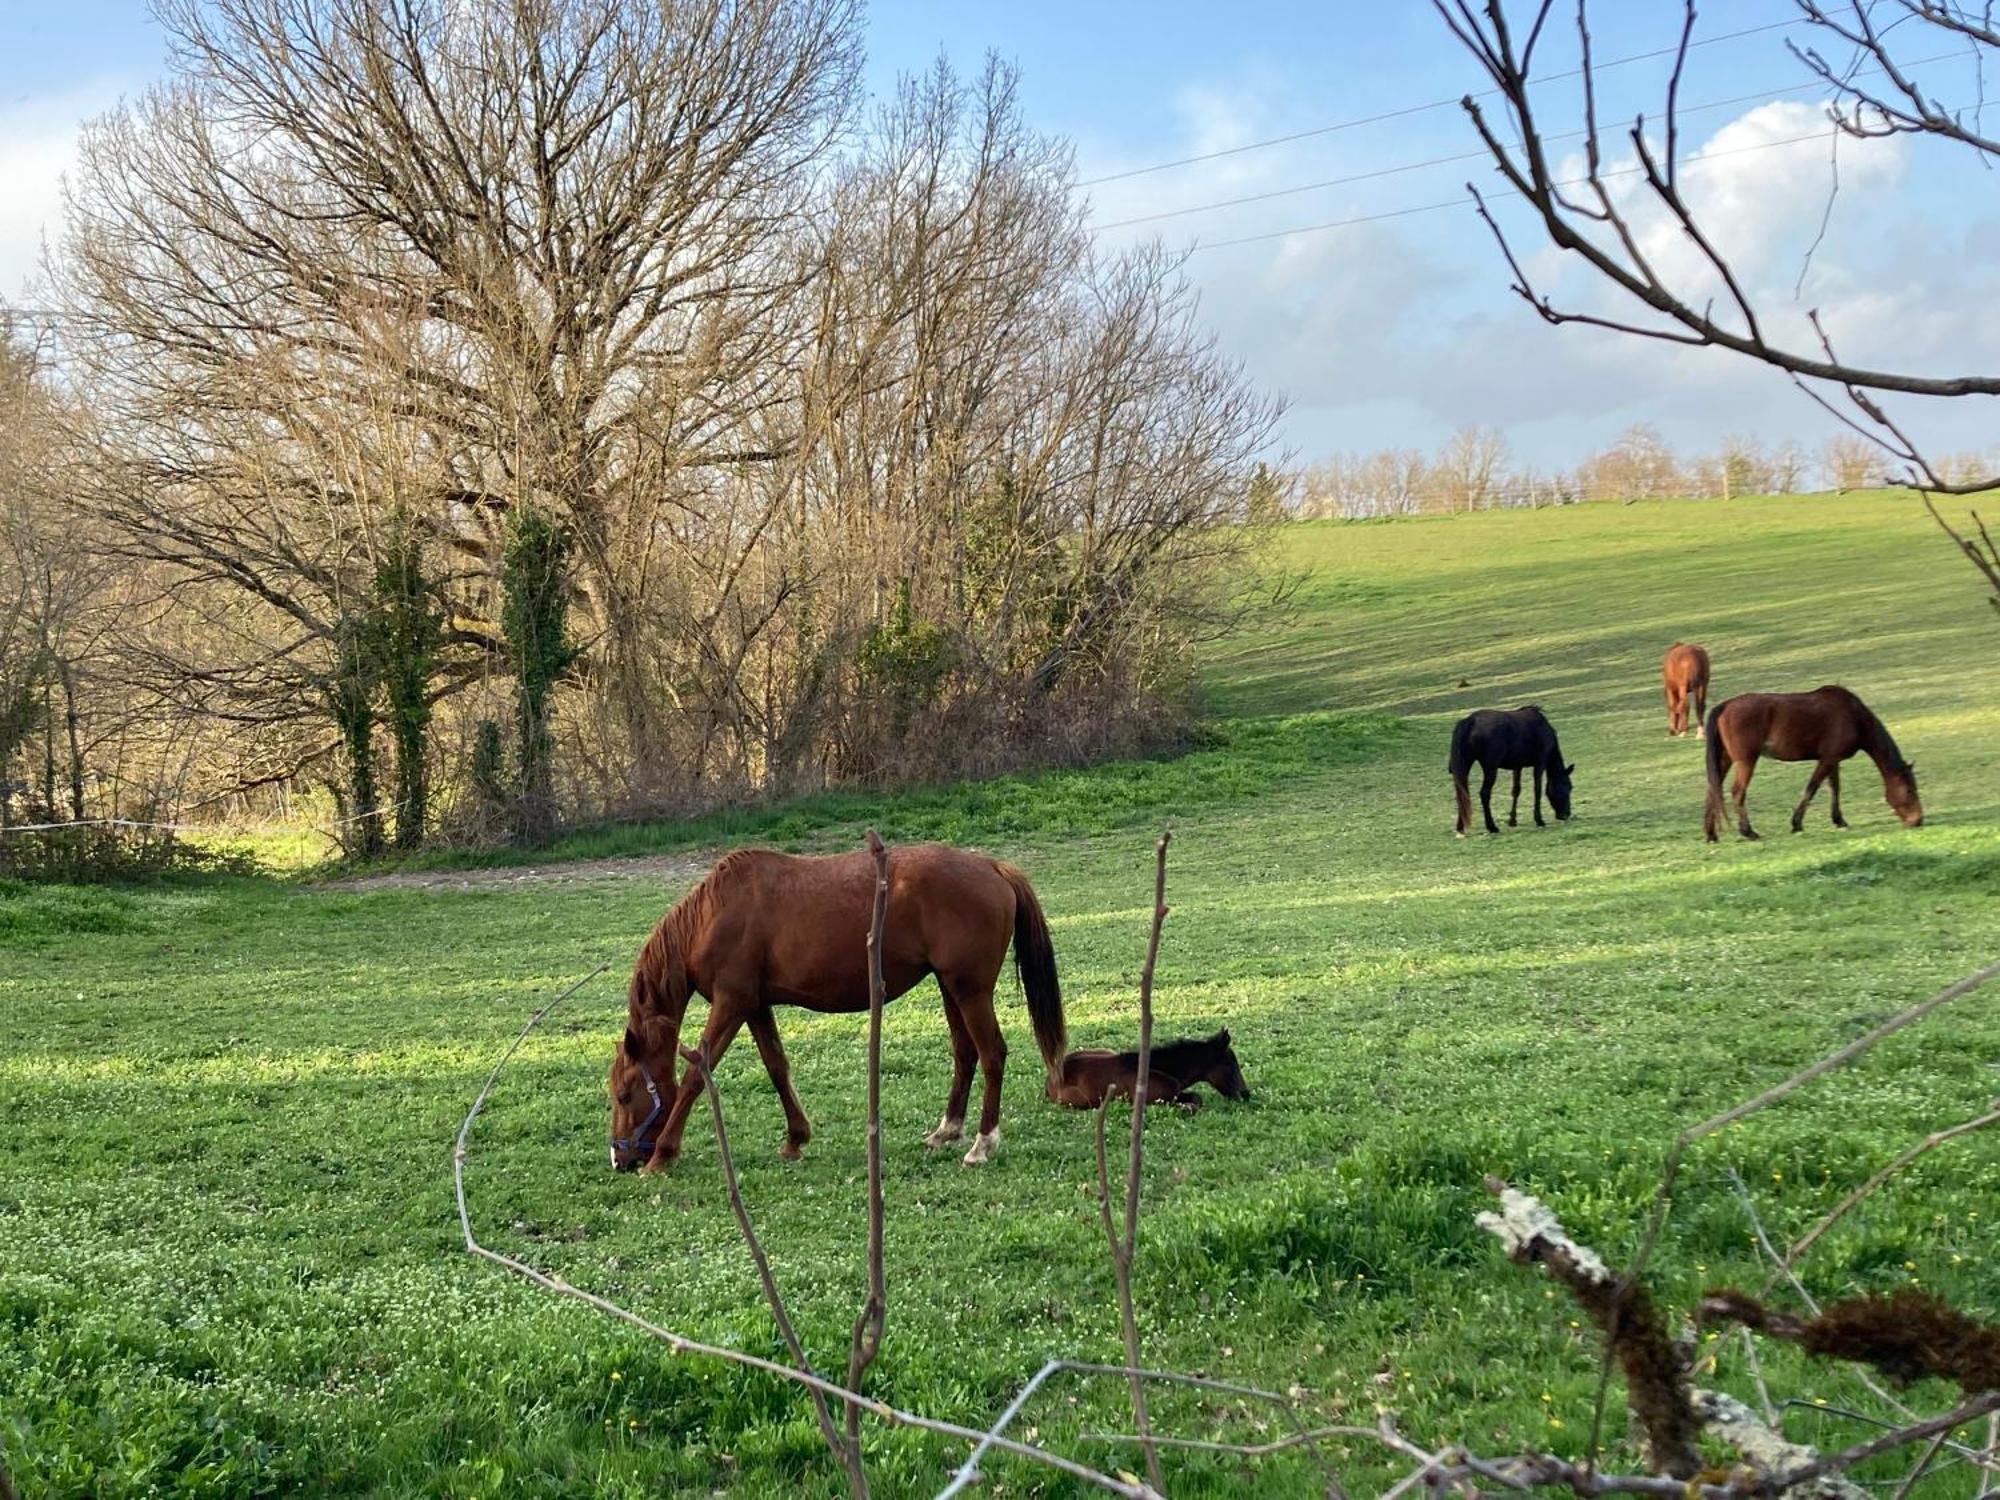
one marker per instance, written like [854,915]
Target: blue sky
[1385,333]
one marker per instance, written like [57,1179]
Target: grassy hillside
[228,1260]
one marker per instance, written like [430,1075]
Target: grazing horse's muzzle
[629,1153]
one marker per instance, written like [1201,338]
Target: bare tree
[1789,466]
[535,239]
[1850,462]
[1860,51]
[1638,466]
[1467,471]
[809,451]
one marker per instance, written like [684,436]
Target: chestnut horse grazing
[767,929]
[1084,1080]
[1685,673]
[1826,725]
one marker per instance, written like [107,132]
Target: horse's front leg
[1539,823]
[724,1021]
[1700,709]
[1812,785]
[798,1129]
[963,1056]
[1489,774]
[1833,786]
[1514,807]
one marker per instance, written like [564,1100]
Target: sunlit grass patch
[229,1261]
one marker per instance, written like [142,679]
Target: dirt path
[668,870]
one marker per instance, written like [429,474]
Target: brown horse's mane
[659,977]
[1876,741]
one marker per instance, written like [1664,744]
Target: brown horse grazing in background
[1084,1080]
[1685,672]
[767,929]
[1826,725]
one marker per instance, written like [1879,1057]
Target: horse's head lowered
[1558,788]
[1900,787]
[1219,1068]
[639,1094]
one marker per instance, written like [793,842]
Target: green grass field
[228,1258]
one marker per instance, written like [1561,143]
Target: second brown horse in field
[1084,1080]
[1685,674]
[767,929]
[1826,726]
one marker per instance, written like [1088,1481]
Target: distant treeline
[1474,470]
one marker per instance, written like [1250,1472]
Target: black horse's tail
[1460,767]
[1718,762]
[1035,963]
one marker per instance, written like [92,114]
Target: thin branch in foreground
[848,1453]
[968,1472]
[867,1339]
[1907,1334]
[1929,1143]
[1670,1168]
[1862,1372]
[679,1344]
[1634,1333]
[1122,1246]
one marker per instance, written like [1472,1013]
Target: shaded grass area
[229,1266]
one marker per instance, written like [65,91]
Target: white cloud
[1397,332]
[38,137]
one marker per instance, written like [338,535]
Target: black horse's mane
[1175,1057]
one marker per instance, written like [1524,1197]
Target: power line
[1478,155]
[1417,109]
[1428,208]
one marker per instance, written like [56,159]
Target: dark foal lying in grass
[1084,1080]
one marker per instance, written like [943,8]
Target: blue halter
[637,1141]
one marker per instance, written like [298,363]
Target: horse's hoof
[791,1150]
[983,1147]
[658,1164]
[948,1130]
[1458,833]
[1753,837]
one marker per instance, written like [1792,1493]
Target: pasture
[229,1264]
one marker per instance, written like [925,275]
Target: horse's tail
[1711,820]
[1035,963]
[1460,767]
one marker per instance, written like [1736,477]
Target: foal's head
[641,1086]
[1558,788]
[1219,1069]
[1900,787]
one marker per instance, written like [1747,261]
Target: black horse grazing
[1501,739]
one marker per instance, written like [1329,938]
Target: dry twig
[1122,1246]
[847,1452]
[679,1344]
[867,1341]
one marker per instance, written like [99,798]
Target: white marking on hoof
[948,1130]
[983,1148]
